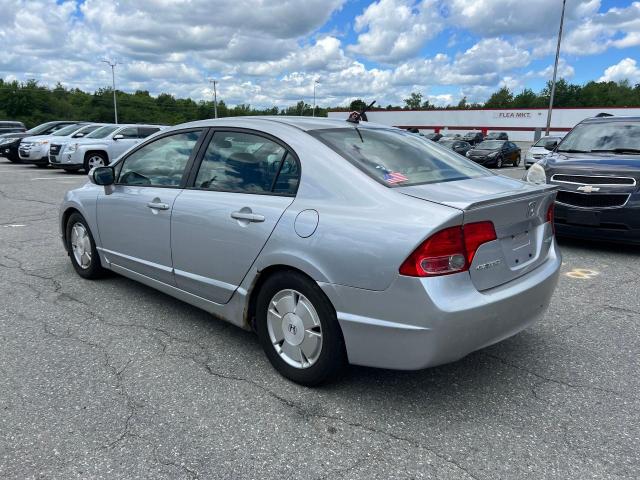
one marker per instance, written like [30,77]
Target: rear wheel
[82,248]
[499,162]
[298,329]
[94,159]
[516,162]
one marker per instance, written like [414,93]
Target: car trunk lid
[518,212]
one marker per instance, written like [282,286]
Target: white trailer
[520,124]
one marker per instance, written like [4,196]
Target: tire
[516,162]
[92,268]
[499,162]
[94,159]
[307,348]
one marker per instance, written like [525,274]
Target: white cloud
[626,69]
[501,17]
[392,30]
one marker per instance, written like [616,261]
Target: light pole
[555,70]
[215,97]
[315,82]
[112,64]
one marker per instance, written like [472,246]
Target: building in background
[526,124]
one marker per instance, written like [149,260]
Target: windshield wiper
[618,150]
[573,150]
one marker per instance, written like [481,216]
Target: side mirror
[118,137]
[102,176]
[551,144]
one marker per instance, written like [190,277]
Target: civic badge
[588,189]
[531,209]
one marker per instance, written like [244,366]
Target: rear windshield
[397,158]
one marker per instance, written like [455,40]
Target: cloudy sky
[267,52]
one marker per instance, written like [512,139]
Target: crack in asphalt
[549,379]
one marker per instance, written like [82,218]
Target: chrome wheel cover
[294,328]
[81,245]
[95,161]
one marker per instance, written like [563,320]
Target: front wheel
[82,248]
[516,162]
[499,162]
[298,329]
[94,159]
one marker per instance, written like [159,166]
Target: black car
[458,146]
[597,169]
[9,142]
[434,137]
[495,153]
[497,136]
[473,137]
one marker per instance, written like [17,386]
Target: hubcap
[294,328]
[81,245]
[95,161]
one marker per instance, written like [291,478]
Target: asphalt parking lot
[111,379]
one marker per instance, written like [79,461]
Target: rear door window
[247,163]
[395,158]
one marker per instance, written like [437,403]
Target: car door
[243,184]
[126,138]
[134,219]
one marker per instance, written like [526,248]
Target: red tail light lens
[551,217]
[448,251]
[475,234]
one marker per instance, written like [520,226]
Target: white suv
[100,147]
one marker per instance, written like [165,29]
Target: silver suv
[100,147]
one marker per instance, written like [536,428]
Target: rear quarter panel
[365,230]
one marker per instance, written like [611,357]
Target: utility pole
[555,69]
[215,97]
[112,64]
[315,82]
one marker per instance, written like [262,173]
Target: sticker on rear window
[394,177]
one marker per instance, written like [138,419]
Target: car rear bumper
[419,323]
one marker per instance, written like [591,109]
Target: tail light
[448,251]
[551,217]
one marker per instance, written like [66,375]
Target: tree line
[33,103]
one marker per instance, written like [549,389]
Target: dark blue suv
[597,169]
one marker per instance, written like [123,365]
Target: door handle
[249,217]
[158,206]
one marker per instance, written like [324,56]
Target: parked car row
[73,145]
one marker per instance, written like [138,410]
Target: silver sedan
[335,241]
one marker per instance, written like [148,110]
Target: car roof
[302,123]
[610,119]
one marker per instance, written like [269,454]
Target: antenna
[355,117]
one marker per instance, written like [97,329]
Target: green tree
[503,98]
[414,102]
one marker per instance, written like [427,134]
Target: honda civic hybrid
[335,241]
